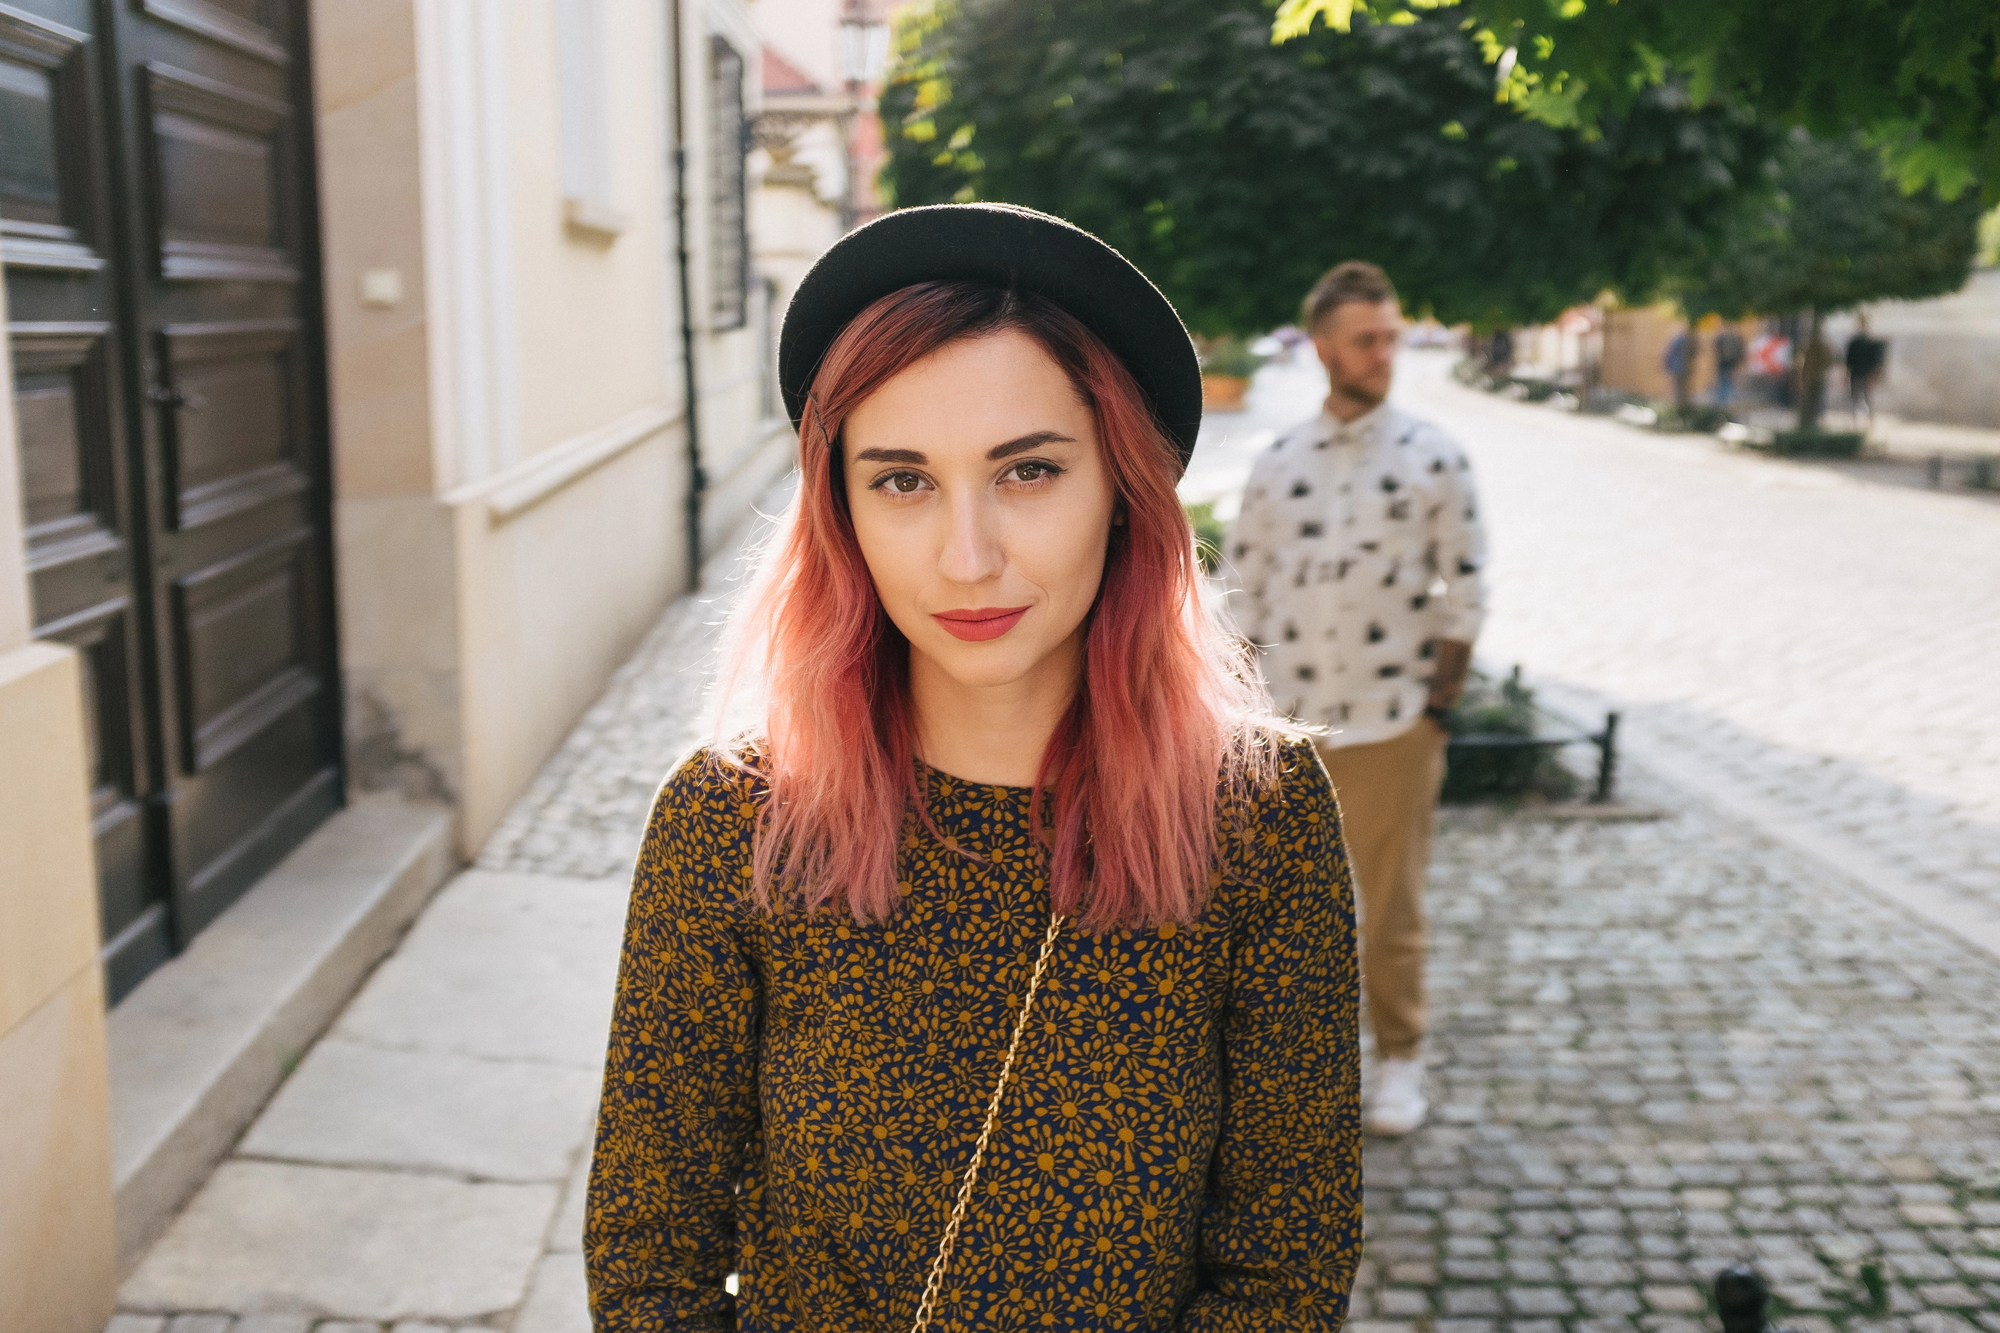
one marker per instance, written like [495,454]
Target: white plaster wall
[1944,355]
[592,345]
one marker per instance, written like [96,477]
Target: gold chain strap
[942,1263]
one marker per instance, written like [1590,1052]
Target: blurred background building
[379,369]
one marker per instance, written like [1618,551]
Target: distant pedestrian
[1679,362]
[1865,358]
[1003,975]
[1500,353]
[1729,354]
[1358,553]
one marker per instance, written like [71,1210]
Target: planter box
[1223,393]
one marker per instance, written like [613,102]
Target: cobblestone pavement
[1799,645]
[1661,1048]
[584,813]
[1816,648]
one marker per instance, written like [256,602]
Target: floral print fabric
[794,1098]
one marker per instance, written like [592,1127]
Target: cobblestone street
[1813,650]
[1758,1027]
[1666,1047]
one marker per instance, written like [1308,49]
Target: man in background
[1357,557]
[1729,353]
[1865,357]
[1679,362]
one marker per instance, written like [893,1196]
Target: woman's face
[982,504]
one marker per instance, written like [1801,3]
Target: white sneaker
[1398,1106]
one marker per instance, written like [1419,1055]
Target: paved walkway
[1661,1046]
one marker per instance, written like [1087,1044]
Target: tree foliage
[1835,234]
[1234,171]
[1921,78]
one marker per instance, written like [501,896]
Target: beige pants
[1388,804]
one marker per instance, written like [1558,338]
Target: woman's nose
[972,552]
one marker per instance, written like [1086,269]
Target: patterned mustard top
[793,1098]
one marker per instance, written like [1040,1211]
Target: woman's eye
[1032,471]
[900,483]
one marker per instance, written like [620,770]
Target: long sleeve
[1460,539]
[679,1108]
[1248,559]
[1281,1232]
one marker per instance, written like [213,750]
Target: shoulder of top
[714,780]
[1296,765]
[1425,435]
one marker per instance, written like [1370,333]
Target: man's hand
[1454,663]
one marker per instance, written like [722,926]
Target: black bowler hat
[1008,247]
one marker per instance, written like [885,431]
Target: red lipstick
[980,623]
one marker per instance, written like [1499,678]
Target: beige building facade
[374,437]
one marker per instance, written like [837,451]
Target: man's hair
[1356,280]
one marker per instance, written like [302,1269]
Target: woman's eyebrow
[1025,443]
[999,451]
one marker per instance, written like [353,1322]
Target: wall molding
[515,491]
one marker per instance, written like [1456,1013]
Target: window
[589,202]
[728,204]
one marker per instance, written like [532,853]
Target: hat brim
[1008,247]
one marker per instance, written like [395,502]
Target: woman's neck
[992,733]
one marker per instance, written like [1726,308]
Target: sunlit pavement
[1804,647]
[1757,1029]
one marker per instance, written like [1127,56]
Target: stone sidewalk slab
[504,967]
[199,1047]
[356,1105]
[278,1238]
[558,1302]
[566,1233]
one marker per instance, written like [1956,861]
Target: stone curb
[200,1046]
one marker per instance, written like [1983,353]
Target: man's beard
[1362,394]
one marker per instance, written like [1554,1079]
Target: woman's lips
[982,623]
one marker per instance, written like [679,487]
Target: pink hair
[1166,717]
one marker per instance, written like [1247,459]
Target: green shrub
[1501,772]
[1208,534]
[1229,356]
[1819,443]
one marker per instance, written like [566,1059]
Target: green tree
[1921,78]
[1234,172]
[1835,234]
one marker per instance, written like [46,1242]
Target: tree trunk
[1812,360]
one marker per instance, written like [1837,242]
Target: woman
[1005,978]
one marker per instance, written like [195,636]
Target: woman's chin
[993,664]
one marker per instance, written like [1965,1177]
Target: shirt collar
[1364,429]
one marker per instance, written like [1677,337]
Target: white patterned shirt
[1357,549]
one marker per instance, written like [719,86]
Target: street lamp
[864,52]
[864,46]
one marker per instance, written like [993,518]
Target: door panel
[229,343]
[156,224]
[213,163]
[82,528]
[228,441]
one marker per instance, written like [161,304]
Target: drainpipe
[690,382]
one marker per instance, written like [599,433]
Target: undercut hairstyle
[1169,714]
[1355,280]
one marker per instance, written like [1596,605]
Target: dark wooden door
[178,357]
